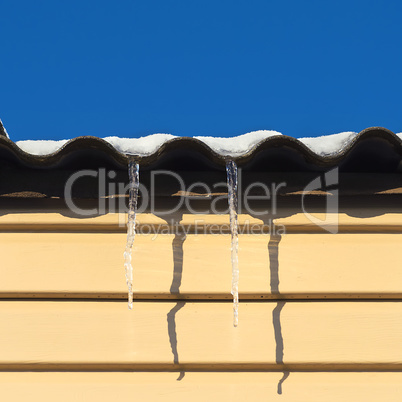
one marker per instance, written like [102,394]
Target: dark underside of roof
[369,165]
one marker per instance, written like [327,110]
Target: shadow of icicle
[171,319]
[273,250]
[177,245]
[285,375]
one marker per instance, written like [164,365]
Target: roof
[374,149]
[3,132]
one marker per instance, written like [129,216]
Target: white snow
[40,147]
[144,146]
[139,146]
[5,131]
[234,146]
[328,144]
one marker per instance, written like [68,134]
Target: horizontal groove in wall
[244,298]
[313,229]
[205,367]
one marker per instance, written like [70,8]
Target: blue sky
[222,67]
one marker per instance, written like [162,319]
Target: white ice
[133,172]
[231,171]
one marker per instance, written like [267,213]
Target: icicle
[231,171]
[133,172]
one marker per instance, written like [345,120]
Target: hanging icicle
[231,171]
[133,172]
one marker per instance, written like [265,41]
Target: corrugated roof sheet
[3,132]
[373,149]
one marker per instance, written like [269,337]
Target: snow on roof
[327,145]
[234,146]
[139,146]
[40,147]
[3,130]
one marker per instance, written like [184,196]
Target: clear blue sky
[222,67]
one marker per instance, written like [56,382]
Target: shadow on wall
[177,246]
[273,251]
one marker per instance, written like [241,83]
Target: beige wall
[313,322]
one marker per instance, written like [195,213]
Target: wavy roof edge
[197,145]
